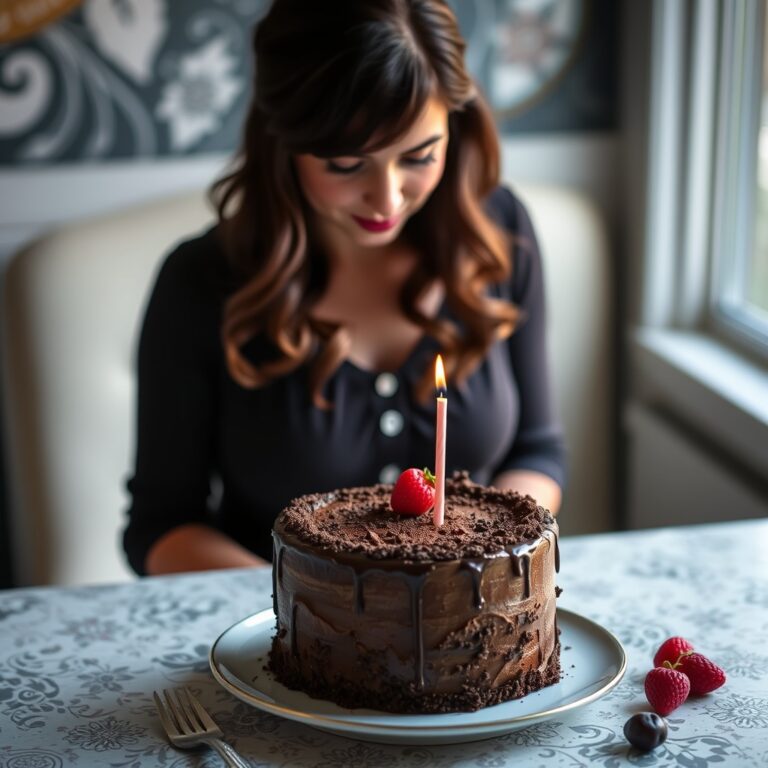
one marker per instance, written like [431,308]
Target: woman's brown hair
[328,84]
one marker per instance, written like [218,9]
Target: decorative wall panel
[116,79]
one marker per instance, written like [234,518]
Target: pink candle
[438,514]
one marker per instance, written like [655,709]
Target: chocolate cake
[389,612]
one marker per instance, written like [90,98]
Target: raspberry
[705,675]
[671,650]
[666,689]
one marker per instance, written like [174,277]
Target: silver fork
[189,725]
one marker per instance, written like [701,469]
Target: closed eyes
[334,167]
[425,160]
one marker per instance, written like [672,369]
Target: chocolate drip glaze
[416,587]
[294,633]
[277,569]
[476,568]
[274,575]
[279,563]
[357,580]
[413,634]
[520,558]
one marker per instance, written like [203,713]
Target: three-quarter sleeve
[538,444]
[175,414]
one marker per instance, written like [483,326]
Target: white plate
[592,659]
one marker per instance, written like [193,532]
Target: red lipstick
[376,226]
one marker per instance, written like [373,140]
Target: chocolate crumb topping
[478,521]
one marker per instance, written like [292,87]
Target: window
[739,271]
[700,344]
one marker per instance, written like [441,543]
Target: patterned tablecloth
[78,665]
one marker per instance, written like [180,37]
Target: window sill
[718,393]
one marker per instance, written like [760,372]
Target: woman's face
[364,200]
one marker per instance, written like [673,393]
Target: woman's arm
[535,462]
[197,547]
[177,418]
[543,488]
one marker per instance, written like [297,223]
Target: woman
[290,349]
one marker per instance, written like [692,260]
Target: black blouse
[212,452]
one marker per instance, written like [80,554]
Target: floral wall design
[127,78]
[118,79]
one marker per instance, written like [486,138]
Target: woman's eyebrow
[424,144]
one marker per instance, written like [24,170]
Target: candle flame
[440,375]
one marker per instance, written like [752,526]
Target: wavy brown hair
[333,84]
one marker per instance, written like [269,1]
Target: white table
[77,666]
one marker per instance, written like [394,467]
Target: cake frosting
[389,612]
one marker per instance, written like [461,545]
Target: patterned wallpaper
[146,78]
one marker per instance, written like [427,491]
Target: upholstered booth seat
[71,313]
[72,310]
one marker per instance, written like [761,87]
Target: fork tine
[165,718]
[191,713]
[208,722]
[187,721]
[178,714]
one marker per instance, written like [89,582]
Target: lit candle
[438,515]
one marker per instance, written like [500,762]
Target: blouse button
[389,474]
[386,384]
[391,423]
